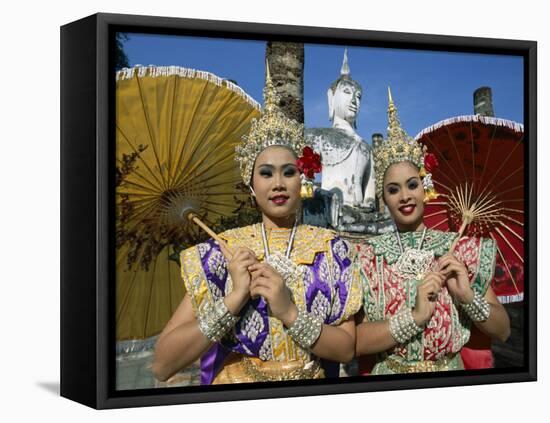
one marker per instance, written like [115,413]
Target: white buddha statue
[347,159]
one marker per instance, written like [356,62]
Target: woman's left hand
[457,279]
[266,282]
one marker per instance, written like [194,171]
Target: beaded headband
[400,147]
[273,128]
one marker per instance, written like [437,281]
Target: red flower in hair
[430,162]
[310,163]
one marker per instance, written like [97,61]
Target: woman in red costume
[420,299]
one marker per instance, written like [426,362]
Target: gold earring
[253,197]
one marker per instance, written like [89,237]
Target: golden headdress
[273,128]
[396,148]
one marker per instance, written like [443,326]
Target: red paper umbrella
[480,179]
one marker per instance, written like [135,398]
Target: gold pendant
[413,264]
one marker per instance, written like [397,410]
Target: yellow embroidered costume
[327,287]
[316,268]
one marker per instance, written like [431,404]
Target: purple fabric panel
[244,344]
[214,255]
[340,288]
[211,362]
[241,343]
[319,284]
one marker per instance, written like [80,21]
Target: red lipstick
[279,199]
[407,210]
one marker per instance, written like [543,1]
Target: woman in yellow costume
[278,296]
[419,299]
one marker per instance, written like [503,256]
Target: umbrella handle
[460,232]
[193,217]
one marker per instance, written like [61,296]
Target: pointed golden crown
[397,147]
[273,128]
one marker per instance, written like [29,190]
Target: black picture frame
[87,207]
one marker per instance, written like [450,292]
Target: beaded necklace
[290,241]
[282,264]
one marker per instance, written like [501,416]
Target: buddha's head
[344,96]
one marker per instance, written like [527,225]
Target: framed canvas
[152,111]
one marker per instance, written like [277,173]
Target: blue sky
[427,86]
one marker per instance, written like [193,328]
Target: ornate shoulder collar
[309,241]
[247,236]
[386,245]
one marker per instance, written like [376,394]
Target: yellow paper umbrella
[176,130]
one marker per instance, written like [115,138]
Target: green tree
[121,59]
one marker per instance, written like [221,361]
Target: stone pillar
[377,140]
[483,102]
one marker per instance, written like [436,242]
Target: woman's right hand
[238,262]
[426,296]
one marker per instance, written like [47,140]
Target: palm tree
[286,66]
